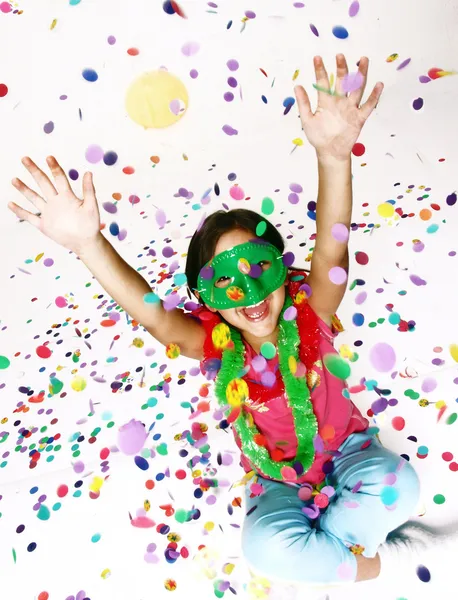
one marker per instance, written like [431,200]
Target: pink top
[336,415]
[333,411]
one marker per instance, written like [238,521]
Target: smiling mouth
[257,312]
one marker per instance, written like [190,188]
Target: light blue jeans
[281,542]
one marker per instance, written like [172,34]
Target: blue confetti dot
[389,495]
[358,319]
[114,229]
[168,8]
[264,99]
[340,32]
[90,75]
[288,103]
[141,463]
[110,158]
[423,574]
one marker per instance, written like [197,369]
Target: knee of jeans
[408,486]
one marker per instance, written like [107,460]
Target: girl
[263,332]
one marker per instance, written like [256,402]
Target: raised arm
[333,130]
[75,224]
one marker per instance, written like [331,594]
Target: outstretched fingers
[24,214]
[43,181]
[367,108]
[58,173]
[28,193]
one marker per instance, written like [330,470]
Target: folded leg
[278,540]
[376,491]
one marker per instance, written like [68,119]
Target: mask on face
[248,282]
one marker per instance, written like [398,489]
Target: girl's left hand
[338,120]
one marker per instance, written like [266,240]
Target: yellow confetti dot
[440,404]
[296,74]
[454,352]
[221,336]
[39,257]
[345,351]
[228,568]
[172,350]
[236,392]
[300,297]
[298,142]
[385,210]
[96,484]
[105,573]
[292,364]
[209,526]
[138,342]
[78,383]
[170,585]
[392,58]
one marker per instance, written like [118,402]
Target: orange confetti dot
[203,406]
[149,484]
[328,432]
[425,214]
[133,52]
[116,196]
[128,170]
[155,159]
[43,596]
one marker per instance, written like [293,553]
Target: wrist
[328,160]
[90,247]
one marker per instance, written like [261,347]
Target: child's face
[275,300]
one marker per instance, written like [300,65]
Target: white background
[403,147]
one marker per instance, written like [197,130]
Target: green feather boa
[298,396]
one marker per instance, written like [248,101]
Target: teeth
[253,305]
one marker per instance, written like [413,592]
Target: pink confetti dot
[5,7]
[398,423]
[94,154]
[237,193]
[337,275]
[345,571]
[340,232]
[190,48]
[60,301]
[382,357]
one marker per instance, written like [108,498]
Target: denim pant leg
[386,492]
[279,541]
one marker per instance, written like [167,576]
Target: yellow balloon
[156,99]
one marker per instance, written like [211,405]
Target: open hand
[338,120]
[69,221]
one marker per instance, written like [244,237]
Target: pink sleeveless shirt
[336,415]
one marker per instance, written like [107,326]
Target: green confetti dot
[261,228]
[268,350]
[337,366]
[451,419]
[181,515]
[4,362]
[162,449]
[439,499]
[412,394]
[267,207]
[43,513]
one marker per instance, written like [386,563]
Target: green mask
[248,282]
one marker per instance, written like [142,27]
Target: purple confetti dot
[232,65]
[423,574]
[293,198]
[451,199]
[416,280]
[228,130]
[193,74]
[48,127]
[94,154]
[418,103]
[228,96]
[354,9]
[232,82]
[404,64]
[111,40]
[249,14]
[314,30]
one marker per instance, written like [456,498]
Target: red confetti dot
[43,352]
[43,596]
[128,170]
[108,323]
[104,453]
[149,484]
[359,149]
[398,423]
[184,552]
[133,52]
[453,466]
[180,474]
[62,491]
[3,90]
[361,258]
[447,456]
[277,454]
[366,444]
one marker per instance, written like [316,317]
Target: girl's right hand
[69,221]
